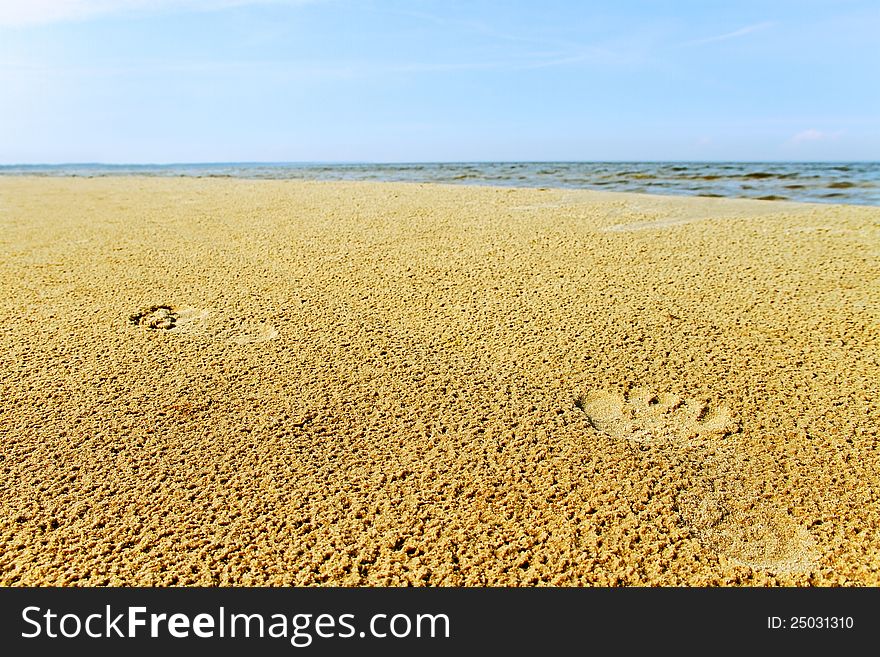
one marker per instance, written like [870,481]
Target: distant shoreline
[813,182]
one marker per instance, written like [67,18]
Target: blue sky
[432,80]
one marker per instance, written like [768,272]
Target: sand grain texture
[223,382]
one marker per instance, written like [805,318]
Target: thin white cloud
[24,13]
[287,70]
[812,134]
[749,29]
[557,52]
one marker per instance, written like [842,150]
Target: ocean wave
[813,182]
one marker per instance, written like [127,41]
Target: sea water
[822,182]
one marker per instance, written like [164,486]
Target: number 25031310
[810,623]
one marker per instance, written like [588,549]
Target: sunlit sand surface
[220,381]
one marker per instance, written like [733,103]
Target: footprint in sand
[656,419]
[154,317]
[758,535]
[204,324]
[243,331]
[731,523]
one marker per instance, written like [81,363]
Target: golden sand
[212,381]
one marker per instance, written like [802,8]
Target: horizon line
[419,162]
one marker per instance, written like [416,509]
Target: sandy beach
[234,382]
